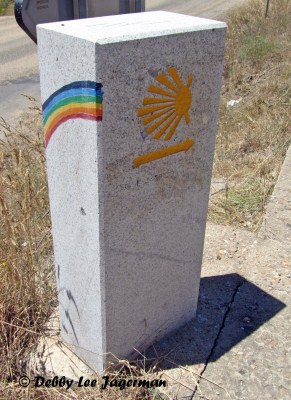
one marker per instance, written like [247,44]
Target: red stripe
[90,117]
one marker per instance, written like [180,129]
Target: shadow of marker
[230,309]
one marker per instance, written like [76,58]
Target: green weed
[256,48]
[5,5]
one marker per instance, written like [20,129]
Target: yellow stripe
[157,124]
[165,81]
[156,100]
[173,128]
[156,155]
[151,118]
[84,106]
[148,110]
[174,74]
[163,129]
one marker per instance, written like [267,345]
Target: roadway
[18,54]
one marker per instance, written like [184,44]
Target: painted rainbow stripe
[81,99]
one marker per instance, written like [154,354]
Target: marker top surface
[124,27]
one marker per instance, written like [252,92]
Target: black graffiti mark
[71,323]
[71,298]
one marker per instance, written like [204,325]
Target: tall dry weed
[26,284]
[253,135]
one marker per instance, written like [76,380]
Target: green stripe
[73,99]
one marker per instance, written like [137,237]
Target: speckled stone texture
[128,236]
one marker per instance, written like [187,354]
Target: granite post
[130,109]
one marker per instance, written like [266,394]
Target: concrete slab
[277,222]
[52,357]
[250,358]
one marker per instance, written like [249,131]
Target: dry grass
[254,135]
[123,372]
[252,140]
[26,291]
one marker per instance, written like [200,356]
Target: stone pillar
[130,108]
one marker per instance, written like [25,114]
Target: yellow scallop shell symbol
[163,114]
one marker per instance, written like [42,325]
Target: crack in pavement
[215,343]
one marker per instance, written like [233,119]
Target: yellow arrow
[156,155]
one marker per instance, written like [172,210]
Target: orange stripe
[66,118]
[75,110]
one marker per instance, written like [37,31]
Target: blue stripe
[70,93]
[83,85]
